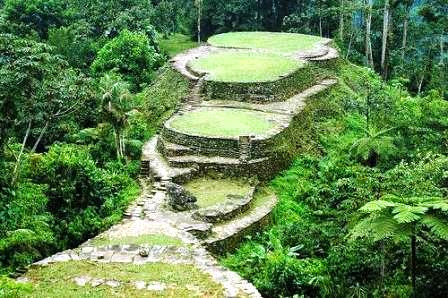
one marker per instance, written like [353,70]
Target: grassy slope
[162,97]
[176,44]
[245,67]
[181,280]
[276,42]
[149,239]
[223,122]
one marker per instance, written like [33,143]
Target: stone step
[194,160]
[225,236]
[331,54]
[171,149]
[159,168]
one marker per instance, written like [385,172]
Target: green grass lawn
[210,191]
[271,41]
[176,44]
[150,239]
[223,122]
[56,280]
[231,66]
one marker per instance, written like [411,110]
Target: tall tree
[198,4]
[399,218]
[386,19]
[368,41]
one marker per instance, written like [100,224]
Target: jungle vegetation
[363,210]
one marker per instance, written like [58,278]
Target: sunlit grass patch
[176,44]
[57,280]
[211,191]
[271,41]
[149,239]
[232,66]
[223,122]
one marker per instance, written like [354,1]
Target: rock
[113,283]
[22,280]
[139,285]
[82,280]
[179,198]
[143,252]
[97,282]
[156,286]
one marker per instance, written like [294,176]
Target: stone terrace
[154,233]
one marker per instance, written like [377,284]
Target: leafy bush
[82,197]
[26,232]
[131,55]
[9,288]
[25,17]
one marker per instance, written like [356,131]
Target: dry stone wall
[262,92]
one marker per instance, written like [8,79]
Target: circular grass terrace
[245,67]
[285,43]
[224,122]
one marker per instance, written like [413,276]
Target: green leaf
[408,214]
[377,205]
[437,225]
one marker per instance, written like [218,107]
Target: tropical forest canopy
[363,209]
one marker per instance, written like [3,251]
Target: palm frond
[376,227]
[437,225]
[376,205]
[407,214]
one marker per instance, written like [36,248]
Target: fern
[377,205]
[408,214]
[437,225]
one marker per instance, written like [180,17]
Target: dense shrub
[25,17]
[131,55]
[82,197]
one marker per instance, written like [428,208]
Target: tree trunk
[383,265]
[350,45]
[405,38]
[441,49]
[341,21]
[320,25]
[123,145]
[420,84]
[42,132]
[413,263]
[117,143]
[19,157]
[384,39]
[369,55]
[199,2]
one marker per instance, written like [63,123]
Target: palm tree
[398,218]
[374,145]
[116,104]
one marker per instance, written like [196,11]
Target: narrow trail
[149,214]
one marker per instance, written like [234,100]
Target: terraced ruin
[225,141]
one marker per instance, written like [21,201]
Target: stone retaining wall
[262,92]
[221,146]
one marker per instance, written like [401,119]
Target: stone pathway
[290,107]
